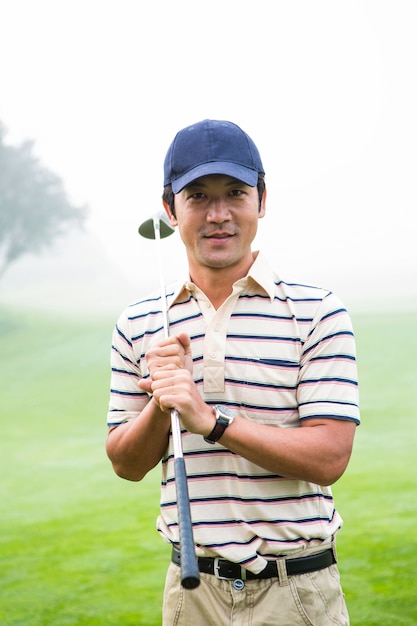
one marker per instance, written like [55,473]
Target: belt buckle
[216,571]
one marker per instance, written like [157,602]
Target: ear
[173,220]
[262,206]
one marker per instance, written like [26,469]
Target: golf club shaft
[190,575]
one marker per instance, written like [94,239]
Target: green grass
[377,496]
[78,545]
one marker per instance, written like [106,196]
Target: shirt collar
[260,273]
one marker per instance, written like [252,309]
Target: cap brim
[244,174]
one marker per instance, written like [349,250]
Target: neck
[217,283]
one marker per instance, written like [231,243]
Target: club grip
[190,575]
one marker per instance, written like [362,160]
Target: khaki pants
[307,599]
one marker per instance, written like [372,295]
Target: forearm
[136,446]
[318,453]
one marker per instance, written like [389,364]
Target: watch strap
[222,422]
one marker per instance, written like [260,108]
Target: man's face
[217,217]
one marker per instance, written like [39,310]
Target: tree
[34,207]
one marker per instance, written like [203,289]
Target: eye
[237,192]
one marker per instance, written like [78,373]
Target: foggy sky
[326,89]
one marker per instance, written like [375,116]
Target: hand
[174,351]
[174,388]
[171,383]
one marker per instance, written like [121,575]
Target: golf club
[158,228]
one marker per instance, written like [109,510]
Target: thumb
[184,340]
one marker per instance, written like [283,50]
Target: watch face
[224,417]
[224,410]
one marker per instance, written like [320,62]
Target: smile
[218,235]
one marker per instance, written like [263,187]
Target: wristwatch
[224,417]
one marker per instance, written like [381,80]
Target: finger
[145,384]
[174,354]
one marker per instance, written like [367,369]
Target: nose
[218,211]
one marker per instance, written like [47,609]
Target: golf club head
[147,228]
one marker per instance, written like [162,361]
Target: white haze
[327,90]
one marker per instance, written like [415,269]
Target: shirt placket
[215,345]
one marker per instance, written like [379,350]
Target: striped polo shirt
[276,353]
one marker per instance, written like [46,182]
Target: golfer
[263,375]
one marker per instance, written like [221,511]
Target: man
[263,375]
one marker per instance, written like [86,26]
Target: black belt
[227,570]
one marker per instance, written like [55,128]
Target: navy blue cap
[211,147]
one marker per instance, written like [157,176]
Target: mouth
[218,235]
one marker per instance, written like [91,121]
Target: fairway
[79,545]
